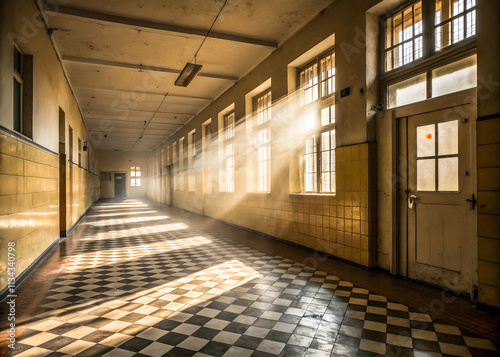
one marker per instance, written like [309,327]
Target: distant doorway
[120,185]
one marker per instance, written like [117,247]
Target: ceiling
[122,58]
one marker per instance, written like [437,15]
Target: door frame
[464,102]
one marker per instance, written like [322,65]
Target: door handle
[473,202]
[411,201]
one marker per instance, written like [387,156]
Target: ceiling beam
[119,110]
[141,122]
[137,24]
[140,67]
[146,93]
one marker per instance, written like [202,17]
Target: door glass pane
[411,90]
[448,138]
[426,144]
[426,175]
[448,174]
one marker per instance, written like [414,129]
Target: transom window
[420,31]
[453,22]
[135,176]
[263,104]
[403,36]
[318,116]
[310,78]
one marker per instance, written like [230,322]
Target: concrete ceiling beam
[137,24]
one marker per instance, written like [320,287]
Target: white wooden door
[440,218]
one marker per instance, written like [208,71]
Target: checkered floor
[144,284]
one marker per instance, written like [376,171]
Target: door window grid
[228,178]
[264,142]
[135,176]
[319,170]
[437,157]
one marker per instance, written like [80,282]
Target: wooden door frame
[400,115]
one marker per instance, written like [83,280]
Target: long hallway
[135,280]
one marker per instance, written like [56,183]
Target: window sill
[316,194]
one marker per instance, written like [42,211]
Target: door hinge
[473,202]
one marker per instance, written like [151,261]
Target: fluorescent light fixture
[187,75]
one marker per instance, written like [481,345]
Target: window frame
[259,127]
[18,77]
[317,106]
[228,180]
[134,177]
[431,59]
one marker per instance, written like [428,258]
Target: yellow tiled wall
[343,224]
[29,201]
[488,189]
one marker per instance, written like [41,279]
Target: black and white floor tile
[144,284]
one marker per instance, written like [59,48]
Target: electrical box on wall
[345,92]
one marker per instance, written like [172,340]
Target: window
[206,142]
[181,164]
[23,93]
[455,21]
[410,35]
[404,37]
[262,105]
[70,140]
[175,160]
[318,116]
[227,175]
[135,176]
[79,152]
[191,161]
[18,90]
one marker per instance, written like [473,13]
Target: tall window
[79,152]
[449,22]
[191,161]
[18,90]
[181,164]
[135,176]
[263,108]
[175,159]
[318,115]
[227,175]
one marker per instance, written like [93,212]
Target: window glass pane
[17,105]
[471,23]
[397,29]
[448,174]
[418,18]
[138,182]
[426,175]
[448,138]
[17,60]
[426,140]
[309,121]
[455,77]
[408,91]
[388,33]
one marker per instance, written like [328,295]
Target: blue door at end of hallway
[120,180]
